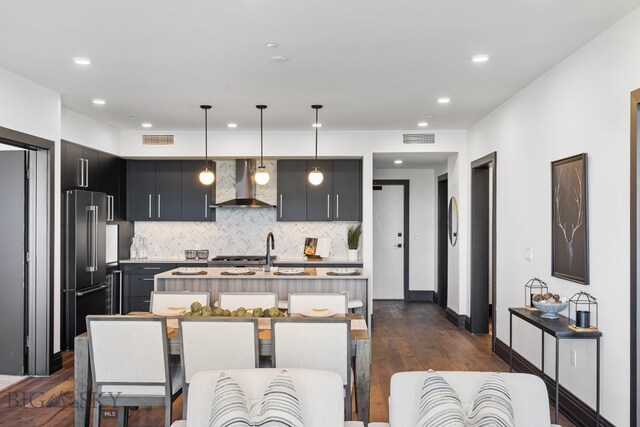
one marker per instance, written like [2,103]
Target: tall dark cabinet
[169,190]
[320,203]
[292,190]
[347,190]
[197,198]
[80,168]
[141,181]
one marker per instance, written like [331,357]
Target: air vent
[157,139]
[419,138]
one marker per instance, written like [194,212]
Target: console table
[559,329]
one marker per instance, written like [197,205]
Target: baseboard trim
[455,318]
[571,406]
[467,322]
[435,297]
[424,296]
[56,363]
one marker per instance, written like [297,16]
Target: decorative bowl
[550,311]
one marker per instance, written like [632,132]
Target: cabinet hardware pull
[147,279]
[328,206]
[280,205]
[81,172]
[149,205]
[158,205]
[337,206]
[81,294]
[151,268]
[86,172]
[206,206]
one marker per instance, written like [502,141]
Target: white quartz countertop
[216,273]
[163,261]
[332,261]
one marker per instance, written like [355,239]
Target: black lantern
[582,309]
[532,287]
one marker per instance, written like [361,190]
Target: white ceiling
[373,64]
[411,160]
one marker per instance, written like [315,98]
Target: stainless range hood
[245,187]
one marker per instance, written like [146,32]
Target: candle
[583,319]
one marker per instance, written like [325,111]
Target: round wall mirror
[453,221]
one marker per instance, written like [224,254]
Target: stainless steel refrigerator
[86,287]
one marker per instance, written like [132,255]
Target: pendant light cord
[316,137]
[261,149]
[206,141]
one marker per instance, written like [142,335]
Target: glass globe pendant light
[206,176]
[261,176]
[315,176]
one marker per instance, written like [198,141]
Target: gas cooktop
[239,260]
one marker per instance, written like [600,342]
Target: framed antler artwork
[569,236]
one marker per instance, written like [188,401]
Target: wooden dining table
[360,350]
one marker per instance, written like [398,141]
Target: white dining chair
[161,301]
[130,364]
[216,343]
[305,302]
[314,344]
[234,300]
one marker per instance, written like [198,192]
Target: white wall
[581,105]
[32,109]
[87,131]
[332,144]
[422,217]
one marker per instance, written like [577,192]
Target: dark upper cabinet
[80,169]
[169,190]
[141,190]
[292,190]
[337,198]
[347,190]
[197,198]
[112,181]
[320,200]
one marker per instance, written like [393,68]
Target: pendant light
[315,176]
[206,176]
[262,176]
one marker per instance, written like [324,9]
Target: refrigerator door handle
[92,237]
[99,288]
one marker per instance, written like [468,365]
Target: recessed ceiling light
[480,58]
[279,59]
[317,125]
[397,162]
[98,101]
[444,100]
[232,125]
[423,124]
[272,44]
[82,61]
[133,117]
[147,125]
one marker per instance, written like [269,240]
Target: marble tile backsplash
[241,231]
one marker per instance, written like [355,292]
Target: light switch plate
[528,254]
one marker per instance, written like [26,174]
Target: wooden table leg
[82,382]
[363,379]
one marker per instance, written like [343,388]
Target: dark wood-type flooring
[407,336]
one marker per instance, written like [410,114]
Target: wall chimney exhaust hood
[245,187]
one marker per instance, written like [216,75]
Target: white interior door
[388,251]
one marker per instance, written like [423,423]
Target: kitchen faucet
[267,266]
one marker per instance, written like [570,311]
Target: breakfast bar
[308,280]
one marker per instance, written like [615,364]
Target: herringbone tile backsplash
[241,231]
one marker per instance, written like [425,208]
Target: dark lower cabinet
[138,283]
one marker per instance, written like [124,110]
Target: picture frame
[570,219]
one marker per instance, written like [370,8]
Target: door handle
[328,206]
[99,288]
[158,206]
[399,245]
[149,205]
[92,233]
[86,173]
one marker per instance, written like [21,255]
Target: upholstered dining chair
[130,364]
[161,301]
[305,302]
[234,300]
[216,343]
[315,343]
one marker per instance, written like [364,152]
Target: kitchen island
[315,280]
